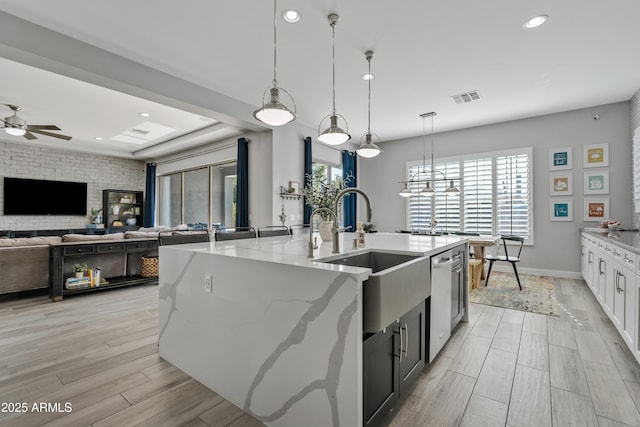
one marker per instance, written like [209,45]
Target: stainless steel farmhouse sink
[397,284]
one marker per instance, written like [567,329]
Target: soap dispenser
[360,235]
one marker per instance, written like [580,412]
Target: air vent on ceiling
[464,98]
[138,131]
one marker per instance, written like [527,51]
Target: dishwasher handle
[442,262]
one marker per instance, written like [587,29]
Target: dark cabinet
[380,376]
[458,283]
[121,208]
[392,360]
[412,341]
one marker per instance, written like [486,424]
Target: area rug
[537,294]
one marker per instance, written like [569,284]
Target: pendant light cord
[275,44]
[369,108]
[333,47]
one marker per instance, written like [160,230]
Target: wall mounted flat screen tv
[42,197]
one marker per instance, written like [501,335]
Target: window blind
[495,194]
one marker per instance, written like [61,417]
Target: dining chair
[506,257]
[273,230]
[235,233]
[299,229]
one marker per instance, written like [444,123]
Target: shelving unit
[289,196]
[118,206]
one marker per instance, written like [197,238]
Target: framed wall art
[595,156]
[561,184]
[561,210]
[560,158]
[596,209]
[596,182]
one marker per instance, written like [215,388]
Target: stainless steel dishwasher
[440,329]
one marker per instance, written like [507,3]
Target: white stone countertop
[292,250]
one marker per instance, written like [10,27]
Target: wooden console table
[119,261]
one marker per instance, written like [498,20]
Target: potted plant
[319,194]
[79,269]
[96,218]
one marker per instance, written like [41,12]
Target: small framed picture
[294,187]
[596,182]
[560,158]
[595,156]
[561,184]
[596,209]
[561,210]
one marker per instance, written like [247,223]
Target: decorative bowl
[130,221]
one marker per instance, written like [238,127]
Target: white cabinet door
[630,308]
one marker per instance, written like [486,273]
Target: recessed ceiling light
[368,77]
[98,138]
[291,16]
[143,114]
[536,21]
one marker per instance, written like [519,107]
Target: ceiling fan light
[334,134]
[15,131]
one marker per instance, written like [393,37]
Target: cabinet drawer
[142,245]
[78,250]
[112,247]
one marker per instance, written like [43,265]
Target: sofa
[24,261]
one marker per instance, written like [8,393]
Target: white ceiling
[586,55]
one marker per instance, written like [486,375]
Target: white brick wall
[21,160]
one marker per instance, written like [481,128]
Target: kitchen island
[276,333]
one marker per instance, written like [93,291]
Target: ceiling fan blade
[45,127]
[29,136]
[55,135]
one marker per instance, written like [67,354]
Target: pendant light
[273,112]
[334,134]
[367,148]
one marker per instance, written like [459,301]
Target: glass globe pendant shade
[367,148]
[334,134]
[405,192]
[451,190]
[274,113]
[427,191]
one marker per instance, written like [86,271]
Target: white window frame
[458,182]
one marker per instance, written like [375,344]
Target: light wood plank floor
[510,368]
[505,368]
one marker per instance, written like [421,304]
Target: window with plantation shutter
[478,195]
[495,194]
[513,195]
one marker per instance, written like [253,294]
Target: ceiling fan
[17,126]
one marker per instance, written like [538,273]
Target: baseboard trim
[539,271]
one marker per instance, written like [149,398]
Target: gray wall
[556,244]
[635,124]
[21,160]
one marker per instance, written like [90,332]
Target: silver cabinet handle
[406,339]
[620,288]
[401,345]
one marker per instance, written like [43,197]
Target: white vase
[325,231]
[79,274]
